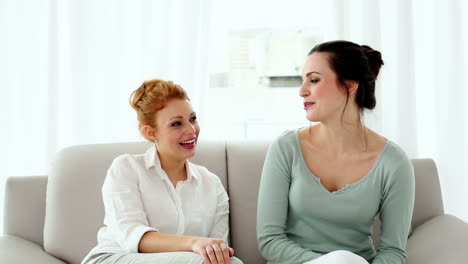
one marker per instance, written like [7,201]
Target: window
[257,96]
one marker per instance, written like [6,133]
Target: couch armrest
[24,211]
[15,250]
[443,239]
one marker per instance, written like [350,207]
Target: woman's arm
[220,229]
[273,202]
[395,214]
[210,249]
[126,216]
[155,242]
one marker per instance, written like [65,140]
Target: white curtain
[67,68]
[422,90]
[70,66]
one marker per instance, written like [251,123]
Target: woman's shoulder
[128,166]
[284,147]
[285,143]
[391,153]
[128,160]
[394,154]
[287,139]
[396,163]
[124,172]
[289,134]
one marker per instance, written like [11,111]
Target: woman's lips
[308,104]
[188,144]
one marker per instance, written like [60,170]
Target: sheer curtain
[103,50]
[67,68]
[422,89]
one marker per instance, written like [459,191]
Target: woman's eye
[314,80]
[193,118]
[176,124]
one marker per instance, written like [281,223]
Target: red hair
[151,97]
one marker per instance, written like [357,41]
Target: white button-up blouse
[139,197]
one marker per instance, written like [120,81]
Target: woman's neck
[343,137]
[343,133]
[175,169]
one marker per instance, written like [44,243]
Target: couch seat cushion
[19,251]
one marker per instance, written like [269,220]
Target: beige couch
[54,219]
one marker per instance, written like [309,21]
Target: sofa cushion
[19,251]
[245,164]
[24,214]
[428,196]
[74,208]
[443,239]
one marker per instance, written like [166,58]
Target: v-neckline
[347,186]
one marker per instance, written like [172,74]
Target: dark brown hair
[351,61]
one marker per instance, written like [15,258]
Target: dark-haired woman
[322,186]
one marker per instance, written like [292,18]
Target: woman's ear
[352,86]
[149,132]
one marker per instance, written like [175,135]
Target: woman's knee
[235,260]
[165,257]
[341,257]
[345,256]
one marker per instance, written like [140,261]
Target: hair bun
[375,59]
[137,96]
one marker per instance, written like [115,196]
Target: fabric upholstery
[428,200]
[15,250]
[442,239]
[25,217]
[245,163]
[74,210]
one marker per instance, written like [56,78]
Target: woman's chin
[312,118]
[187,152]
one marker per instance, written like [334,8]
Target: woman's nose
[192,128]
[304,91]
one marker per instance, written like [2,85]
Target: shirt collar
[152,160]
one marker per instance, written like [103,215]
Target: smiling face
[323,98]
[176,130]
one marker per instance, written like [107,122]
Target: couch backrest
[245,164]
[74,211]
[74,208]
[24,214]
[428,201]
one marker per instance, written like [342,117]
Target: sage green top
[298,219]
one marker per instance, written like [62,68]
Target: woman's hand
[213,251]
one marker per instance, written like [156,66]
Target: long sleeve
[139,197]
[124,210]
[272,212]
[395,214]
[221,219]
